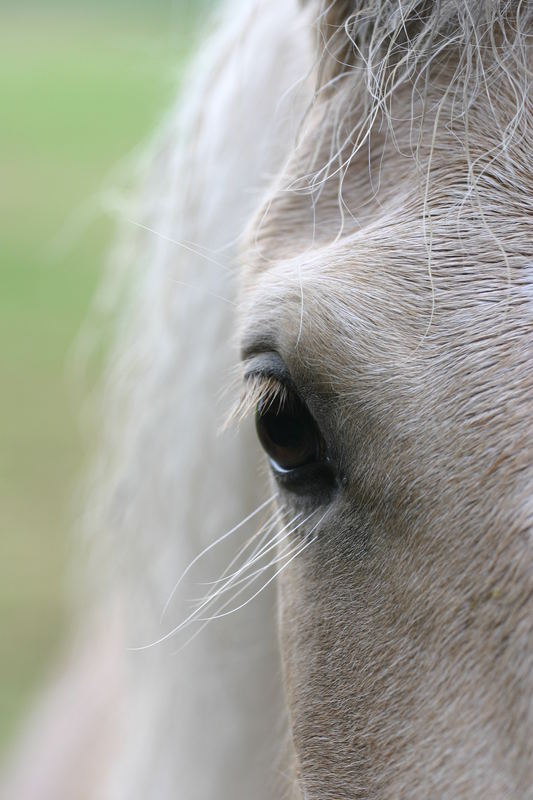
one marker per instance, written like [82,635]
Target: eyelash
[259,390]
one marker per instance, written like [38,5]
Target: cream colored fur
[388,269]
[382,152]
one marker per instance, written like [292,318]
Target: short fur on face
[391,268]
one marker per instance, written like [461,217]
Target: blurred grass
[80,88]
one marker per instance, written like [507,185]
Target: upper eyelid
[254,345]
[268,365]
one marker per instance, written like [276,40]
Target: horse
[336,224]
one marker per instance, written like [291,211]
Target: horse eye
[289,435]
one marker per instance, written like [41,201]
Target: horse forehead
[378,270]
[373,301]
[396,256]
[411,257]
[355,301]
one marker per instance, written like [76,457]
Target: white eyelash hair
[258,390]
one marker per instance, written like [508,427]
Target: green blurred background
[81,84]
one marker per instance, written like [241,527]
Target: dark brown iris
[289,434]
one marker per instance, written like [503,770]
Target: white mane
[171,482]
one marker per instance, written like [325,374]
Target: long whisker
[230,580]
[265,530]
[240,591]
[263,547]
[205,291]
[210,547]
[273,544]
[190,248]
[264,586]
[262,569]
[205,621]
[193,616]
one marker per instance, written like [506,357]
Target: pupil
[285,430]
